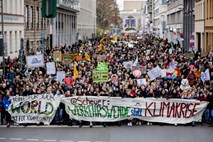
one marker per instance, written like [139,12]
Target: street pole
[2,29]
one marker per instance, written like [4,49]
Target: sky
[120,3]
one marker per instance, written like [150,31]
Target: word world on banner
[34,108]
[42,108]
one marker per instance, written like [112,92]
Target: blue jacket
[6,102]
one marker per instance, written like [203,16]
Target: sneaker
[139,123]
[175,124]
[147,123]
[8,125]
[130,123]
[90,126]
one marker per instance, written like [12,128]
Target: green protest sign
[100,76]
[102,66]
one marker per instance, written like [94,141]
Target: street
[109,134]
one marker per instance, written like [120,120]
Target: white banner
[105,109]
[35,61]
[33,108]
[154,73]
[51,68]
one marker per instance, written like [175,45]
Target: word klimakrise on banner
[105,109]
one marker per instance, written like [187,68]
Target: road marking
[32,139]
[16,139]
[2,138]
[66,141]
[45,140]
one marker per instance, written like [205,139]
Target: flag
[135,62]
[75,72]
[103,40]
[99,47]
[87,57]
[205,76]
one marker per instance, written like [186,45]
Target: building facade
[150,14]
[13,19]
[160,17]
[199,25]
[208,25]
[86,19]
[64,27]
[174,32]
[36,27]
[188,25]
[131,14]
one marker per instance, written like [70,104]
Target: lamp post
[2,29]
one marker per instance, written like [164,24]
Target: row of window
[12,39]
[33,18]
[209,13]
[13,6]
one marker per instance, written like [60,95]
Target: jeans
[59,115]
[209,115]
[0,119]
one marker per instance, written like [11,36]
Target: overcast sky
[120,3]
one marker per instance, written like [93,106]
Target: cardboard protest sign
[70,56]
[105,109]
[57,56]
[33,108]
[79,58]
[51,68]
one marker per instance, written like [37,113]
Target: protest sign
[70,56]
[79,58]
[101,58]
[33,108]
[51,68]
[141,82]
[102,66]
[60,76]
[154,73]
[205,76]
[128,64]
[35,61]
[163,73]
[141,68]
[100,76]
[57,56]
[105,109]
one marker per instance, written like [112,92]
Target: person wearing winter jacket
[7,102]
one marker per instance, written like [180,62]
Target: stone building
[36,27]
[64,27]
[13,17]
[199,25]
[86,19]
[174,31]
[208,25]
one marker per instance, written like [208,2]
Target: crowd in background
[150,50]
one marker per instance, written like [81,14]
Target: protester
[182,78]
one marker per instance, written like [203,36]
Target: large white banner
[105,109]
[33,108]
[35,61]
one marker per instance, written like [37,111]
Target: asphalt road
[109,134]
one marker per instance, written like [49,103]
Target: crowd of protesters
[151,52]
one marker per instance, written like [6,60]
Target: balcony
[71,5]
